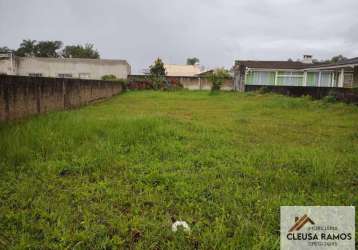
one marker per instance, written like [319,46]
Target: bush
[355,90]
[217,78]
[113,78]
[264,90]
[330,99]
[109,78]
[158,82]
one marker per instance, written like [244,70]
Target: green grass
[115,174]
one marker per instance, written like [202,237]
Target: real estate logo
[300,222]
[317,228]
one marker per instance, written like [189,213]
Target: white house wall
[4,66]
[323,78]
[91,68]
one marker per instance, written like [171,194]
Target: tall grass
[115,174]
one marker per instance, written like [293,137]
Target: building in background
[63,67]
[182,70]
[305,73]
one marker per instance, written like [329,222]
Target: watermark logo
[317,228]
[300,222]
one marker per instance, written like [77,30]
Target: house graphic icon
[300,222]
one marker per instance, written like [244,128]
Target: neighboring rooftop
[273,64]
[341,64]
[298,65]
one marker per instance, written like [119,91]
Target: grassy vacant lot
[115,174]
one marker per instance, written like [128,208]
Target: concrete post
[239,78]
[341,78]
[355,77]
[305,78]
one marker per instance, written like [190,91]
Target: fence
[22,96]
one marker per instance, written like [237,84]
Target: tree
[157,74]
[338,58]
[192,61]
[40,49]
[27,48]
[79,51]
[48,48]
[334,59]
[52,49]
[217,78]
[157,69]
[5,50]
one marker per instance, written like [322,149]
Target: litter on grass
[183,224]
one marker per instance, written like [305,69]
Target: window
[35,74]
[84,75]
[260,78]
[312,79]
[290,78]
[65,75]
[326,79]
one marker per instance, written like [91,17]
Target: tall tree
[48,48]
[338,58]
[79,51]
[334,59]
[40,49]
[192,61]
[157,69]
[5,49]
[27,48]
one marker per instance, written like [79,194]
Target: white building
[63,67]
[343,74]
[182,70]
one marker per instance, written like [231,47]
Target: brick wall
[23,96]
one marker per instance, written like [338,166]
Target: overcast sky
[216,31]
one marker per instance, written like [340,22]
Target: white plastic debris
[185,226]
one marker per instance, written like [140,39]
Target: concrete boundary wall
[21,96]
[202,83]
[188,82]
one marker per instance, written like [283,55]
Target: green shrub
[355,90]
[217,78]
[330,99]
[264,90]
[158,82]
[113,78]
[109,77]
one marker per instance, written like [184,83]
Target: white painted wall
[4,66]
[52,67]
[90,68]
[7,64]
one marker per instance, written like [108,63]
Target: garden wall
[21,96]
[348,95]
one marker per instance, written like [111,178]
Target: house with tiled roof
[343,74]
